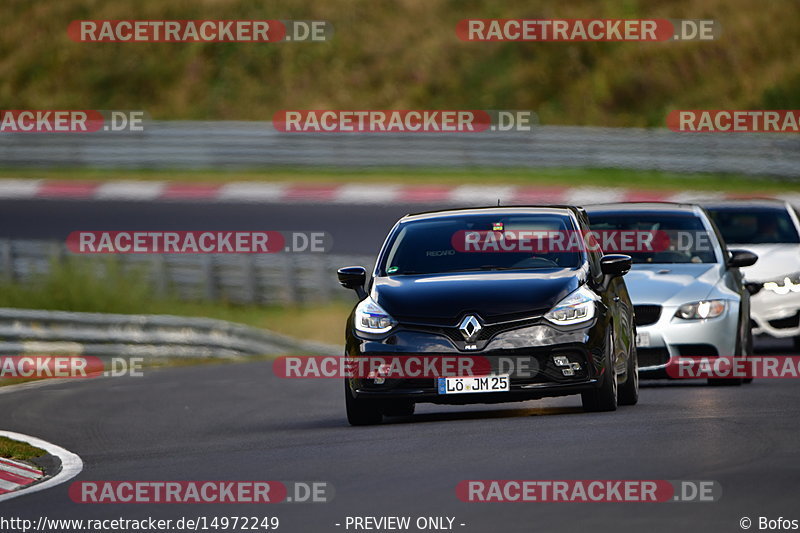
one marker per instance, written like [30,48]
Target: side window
[725,254]
[594,255]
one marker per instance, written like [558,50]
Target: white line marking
[593,195]
[358,193]
[251,192]
[130,190]
[19,188]
[482,194]
[71,464]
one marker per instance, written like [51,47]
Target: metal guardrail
[232,145]
[240,278]
[97,334]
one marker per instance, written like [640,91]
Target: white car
[770,229]
[689,299]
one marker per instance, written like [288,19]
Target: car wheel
[629,391]
[398,408]
[360,412]
[741,349]
[603,398]
[748,352]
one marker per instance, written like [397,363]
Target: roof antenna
[498,202]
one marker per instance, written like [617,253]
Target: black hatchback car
[546,320]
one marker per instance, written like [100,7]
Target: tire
[360,412]
[748,352]
[628,393]
[741,349]
[603,398]
[398,408]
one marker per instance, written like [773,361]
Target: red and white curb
[15,475]
[17,479]
[341,193]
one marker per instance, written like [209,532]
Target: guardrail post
[158,272]
[291,293]
[324,278]
[249,285]
[7,260]
[209,279]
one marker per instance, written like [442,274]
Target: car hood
[671,284]
[494,296]
[774,260]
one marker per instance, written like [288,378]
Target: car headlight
[785,284]
[578,306]
[371,318]
[701,310]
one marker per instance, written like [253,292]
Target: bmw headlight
[371,318]
[577,307]
[701,310]
[785,284]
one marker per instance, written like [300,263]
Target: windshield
[686,238]
[438,246]
[749,225]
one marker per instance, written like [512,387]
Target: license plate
[642,340]
[453,385]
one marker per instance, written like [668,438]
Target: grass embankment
[74,285]
[572,177]
[401,55]
[21,451]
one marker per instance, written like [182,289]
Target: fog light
[379,381]
[568,371]
[560,360]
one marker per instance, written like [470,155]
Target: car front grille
[697,350]
[487,333]
[652,356]
[644,315]
[786,323]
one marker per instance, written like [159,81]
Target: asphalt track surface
[356,229]
[241,422]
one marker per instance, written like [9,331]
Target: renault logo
[470,328]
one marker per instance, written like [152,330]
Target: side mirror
[742,258]
[615,264]
[353,277]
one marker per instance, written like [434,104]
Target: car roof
[645,207]
[745,203]
[495,210]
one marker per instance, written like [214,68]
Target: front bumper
[777,315]
[525,353]
[672,337]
